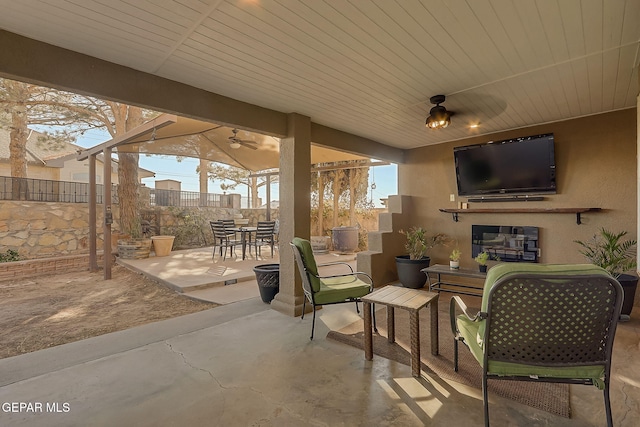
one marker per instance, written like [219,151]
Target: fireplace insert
[505,242]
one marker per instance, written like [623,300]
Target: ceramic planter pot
[629,285]
[409,272]
[162,245]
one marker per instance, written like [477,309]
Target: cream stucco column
[295,209]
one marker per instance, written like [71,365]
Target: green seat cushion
[469,331]
[337,289]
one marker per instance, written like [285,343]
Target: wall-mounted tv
[515,166]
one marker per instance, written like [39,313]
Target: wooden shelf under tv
[577,211]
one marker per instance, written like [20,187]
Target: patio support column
[106,203]
[93,200]
[295,209]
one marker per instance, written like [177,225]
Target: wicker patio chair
[549,323]
[324,290]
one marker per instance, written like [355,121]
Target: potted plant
[409,266]
[454,259]
[609,251]
[482,259]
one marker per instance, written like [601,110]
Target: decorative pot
[268,278]
[483,268]
[409,272]
[454,265]
[162,245]
[629,285]
[134,248]
[320,244]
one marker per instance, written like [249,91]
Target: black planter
[409,271]
[268,277]
[629,284]
[483,268]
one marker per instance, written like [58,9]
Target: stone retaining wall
[44,229]
[48,229]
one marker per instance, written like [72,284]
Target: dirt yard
[47,311]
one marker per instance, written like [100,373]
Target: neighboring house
[57,163]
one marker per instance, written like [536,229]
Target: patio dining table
[245,237]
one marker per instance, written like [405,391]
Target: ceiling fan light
[439,117]
[234,145]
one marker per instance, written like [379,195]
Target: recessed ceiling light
[473,126]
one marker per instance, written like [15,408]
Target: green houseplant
[482,259]
[417,245]
[454,258]
[610,251]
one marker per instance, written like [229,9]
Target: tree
[346,185]
[238,176]
[70,114]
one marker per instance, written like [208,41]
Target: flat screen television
[515,166]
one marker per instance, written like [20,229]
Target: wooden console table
[445,270]
[412,300]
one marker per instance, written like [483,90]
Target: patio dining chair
[223,238]
[542,323]
[324,290]
[264,236]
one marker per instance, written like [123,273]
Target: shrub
[9,256]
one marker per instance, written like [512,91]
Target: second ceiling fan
[235,142]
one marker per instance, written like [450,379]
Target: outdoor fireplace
[506,242]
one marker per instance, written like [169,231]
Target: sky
[167,167]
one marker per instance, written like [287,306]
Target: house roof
[37,152]
[369,68]
[48,154]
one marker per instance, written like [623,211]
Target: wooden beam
[157,123]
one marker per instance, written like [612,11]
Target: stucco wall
[596,167]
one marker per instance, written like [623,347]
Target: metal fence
[159,197]
[42,190]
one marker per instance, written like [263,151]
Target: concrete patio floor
[194,272]
[243,364]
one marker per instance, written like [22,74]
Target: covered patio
[358,77]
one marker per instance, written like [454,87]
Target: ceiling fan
[235,142]
[439,117]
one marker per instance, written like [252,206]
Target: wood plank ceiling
[368,67]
